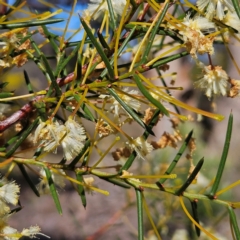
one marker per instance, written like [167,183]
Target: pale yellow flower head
[193,35]
[9,191]
[215,8]
[214,81]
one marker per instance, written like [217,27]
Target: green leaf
[111,15]
[62,64]
[129,161]
[121,48]
[236,5]
[102,40]
[41,109]
[85,109]
[22,138]
[81,190]
[51,37]
[75,43]
[37,153]
[53,190]
[88,112]
[28,179]
[233,220]
[190,178]
[140,214]
[177,157]
[47,70]
[36,59]
[14,139]
[28,83]
[99,48]
[30,24]
[141,31]
[15,210]
[146,94]
[171,58]
[133,3]
[77,97]
[153,34]
[195,216]
[79,72]
[6,94]
[129,110]
[61,58]
[152,123]
[4,84]
[51,75]
[223,158]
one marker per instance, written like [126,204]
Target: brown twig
[141,17]
[29,107]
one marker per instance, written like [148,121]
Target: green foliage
[92,83]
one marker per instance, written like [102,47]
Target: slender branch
[29,107]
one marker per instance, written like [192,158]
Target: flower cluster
[193,35]
[70,136]
[231,19]
[9,194]
[88,184]
[198,33]
[103,128]
[214,81]
[215,8]
[10,43]
[141,146]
